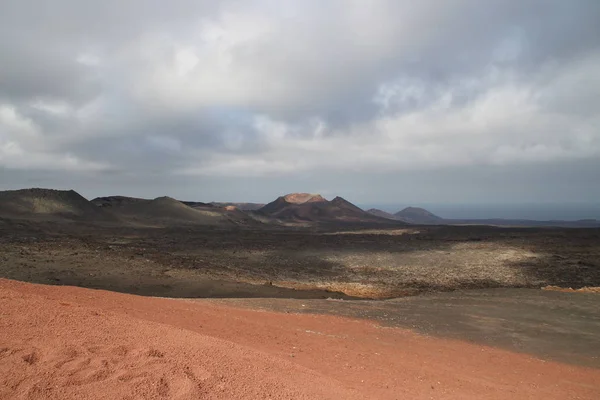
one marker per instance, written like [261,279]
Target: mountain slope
[166,211]
[381,213]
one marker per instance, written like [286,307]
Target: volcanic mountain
[291,200]
[416,215]
[49,204]
[315,208]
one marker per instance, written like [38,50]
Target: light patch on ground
[464,262]
[392,232]
[382,274]
[49,206]
[592,289]
[210,213]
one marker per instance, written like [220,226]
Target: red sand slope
[73,343]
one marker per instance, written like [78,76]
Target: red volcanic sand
[73,343]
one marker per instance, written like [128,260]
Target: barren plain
[262,308]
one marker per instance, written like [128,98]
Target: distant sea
[539,212]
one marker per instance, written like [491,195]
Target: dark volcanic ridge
[116,201]
[124,201]
[198,204]
[168,211]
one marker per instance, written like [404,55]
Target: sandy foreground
[74,343]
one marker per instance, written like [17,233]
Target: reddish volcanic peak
[299,198]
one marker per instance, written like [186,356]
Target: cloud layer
[203,90]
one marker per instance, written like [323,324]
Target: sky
[378,101]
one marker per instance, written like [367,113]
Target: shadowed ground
[372,263]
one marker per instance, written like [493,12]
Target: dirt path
[68,343]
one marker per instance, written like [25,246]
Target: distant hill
[315,208]
[582,223]
[416,215]
[381,213]
[49,204]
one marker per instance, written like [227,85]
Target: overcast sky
[379,101]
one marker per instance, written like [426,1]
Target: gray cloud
[144,93]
